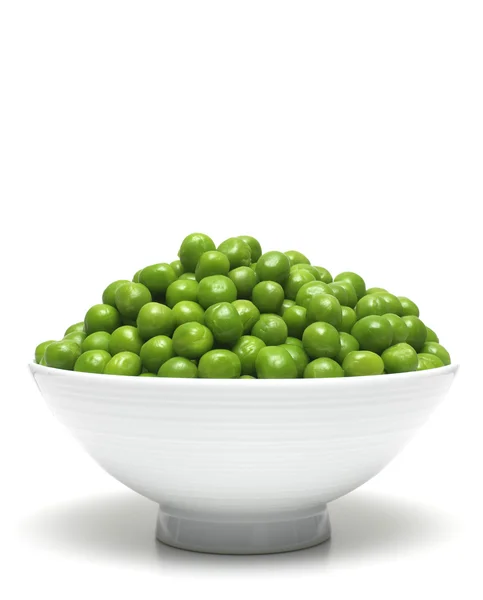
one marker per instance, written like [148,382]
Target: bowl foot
[243,536]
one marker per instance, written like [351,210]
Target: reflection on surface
[121,528]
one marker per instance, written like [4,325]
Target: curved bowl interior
[254,447]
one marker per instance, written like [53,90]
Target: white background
[351,131]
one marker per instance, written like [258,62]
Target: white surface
[229,452]
[350,131]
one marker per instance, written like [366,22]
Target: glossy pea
[371,304]
[309,290]
[192,247]
[192,340]
[224,322]
[275,362]
[431,335]
[187,311]
[76,336]
[92,361]
[296,258]
[155,352]
[400,358]
[308,268]
[325,275]
[299,357]
[124,363]
[248,312]
[399,328]
[417,332]
[324,307]
[355,280]
[130,298]
[96,341]
[101,317]
[40,350]
[373,333]
[62,355]
[350,290]
[348,343]
[271,329]
[155,318]
[157,278]
[348,318]
[294,341]
[268,296]
[393,304]
[75,327]
[109,294]
[285,304]
[181,289]
[247,349]
[212,263]
[321,340]
[295,318]
[438,350]
[256,249]
[409,308]
[295,281]
[237,251]
[214,289]
[363,363]
[177,267]
[322,368]
[125,339]
[245,279]
[219,364]
[273,266]
[428,361]
[178,367]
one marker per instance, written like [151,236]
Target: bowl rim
[318,382]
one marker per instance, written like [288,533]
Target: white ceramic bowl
[243,466]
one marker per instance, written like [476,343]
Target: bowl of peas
[341,377]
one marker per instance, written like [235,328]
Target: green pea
[177,267]
[285,304]
[371,304]
[157,278]
[130,298]
[438,350]
[92,361]
[299,357]
[322,368]
[296,258]
[400,358]
[135,278]
[350,291]
[75,327]
[416,332]
[219,364]
[348,319]
[40,350]
[254,244]
[155,352]
[408,307]
[275,362]
[188,276]
[125,339]
[96,341]
[155,319]
[186,312]
[273,266]
[393,304]
[147,375]
[348,343]
[295,281]
[192,247]
[76,336]
[399,328]
[237,251]
[271,329]
[246,377]
[124,363]
[109,294]
[308,268]
[325,307]
[182,289]
[321,340]
[212,263]
[362,363]
[309,290]
[101,317]
[373,333]
[253,266]
[178,367]
[325,276]
[294,341]
[268,296]
[214,289]
[431,335]
[428,361]
[247,349]
[355,280]
[337,290]
[192,340]
[224,322]
[295,318]
[375,290]
[62,355]
[248,312]
[245,279]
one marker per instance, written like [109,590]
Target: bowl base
[243,536]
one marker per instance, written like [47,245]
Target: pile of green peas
[234,312]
